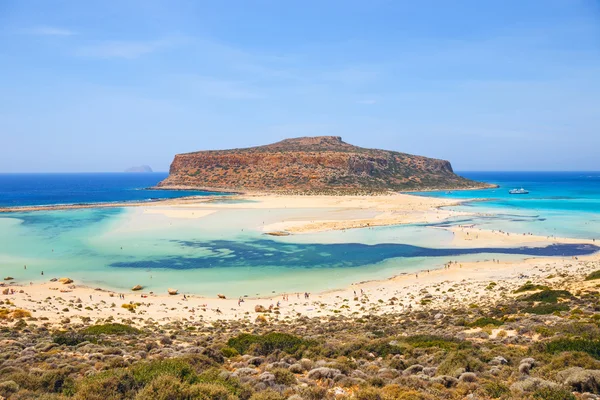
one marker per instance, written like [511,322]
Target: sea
[227,252]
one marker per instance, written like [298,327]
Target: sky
[100,86]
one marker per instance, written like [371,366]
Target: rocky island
[311,165]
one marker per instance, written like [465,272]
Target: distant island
[141,168]
[312,165]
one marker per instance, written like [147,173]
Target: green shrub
[69,338]
[229,352]
[545,309]
[164,387]
[485,321]
[549,296]
[529,287]
[233,385]
[283,376]
[594,275]
[145,372]
[442,342]
[591,347]
[209,391]
[459,359]
[553,394]
[496,389]
[110,329]
[266,344]
[109,385]
[368,393]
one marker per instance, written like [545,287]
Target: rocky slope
[323,164]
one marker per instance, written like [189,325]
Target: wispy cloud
[122,49]
[49,31]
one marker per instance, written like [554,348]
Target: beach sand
[456,283]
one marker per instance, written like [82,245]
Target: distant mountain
[141,168]
[311,165]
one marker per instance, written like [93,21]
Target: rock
[65,281]
[498,360]
[580,380]
[172,292]
[446,380]
[438,316]
[53,280]
[221,296]
[524,368]
[267,377]
[9,278]
[296,368]
[529,361]
[310,164]
[323,373]
[413,369]
[259,309]
[6,291]
[532,384]
[137,287]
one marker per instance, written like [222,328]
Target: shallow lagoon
[223,252]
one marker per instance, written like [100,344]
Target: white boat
[518,191]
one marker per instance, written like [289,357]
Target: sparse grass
[110,329]
[548,296]
[593,276]
[545,309]
[530,287]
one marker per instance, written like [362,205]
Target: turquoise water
[563,204]
[226,252]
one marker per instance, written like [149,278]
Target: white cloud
[49,31]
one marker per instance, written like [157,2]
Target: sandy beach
[455,283]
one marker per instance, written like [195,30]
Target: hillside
[322,164]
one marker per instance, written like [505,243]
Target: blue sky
[489,85]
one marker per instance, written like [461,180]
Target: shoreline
[466,280]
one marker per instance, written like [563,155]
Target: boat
[518,191]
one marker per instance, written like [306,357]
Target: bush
[283,376]
[69,338]
[529,287]
[459,359]
[163,388]
[229,352]
[267,395]
[549,296]
[545,309]
[145,372]
[594,275]
[209,391]
[496,389]
[446,343]
[553,394]
[110,329]
[233,385]
[591,347]
[110,385]
[266,344]
[485,321]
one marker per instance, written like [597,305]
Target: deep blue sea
[47,189]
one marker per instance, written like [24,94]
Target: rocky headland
[312,165]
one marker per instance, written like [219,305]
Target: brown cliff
[323,164]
